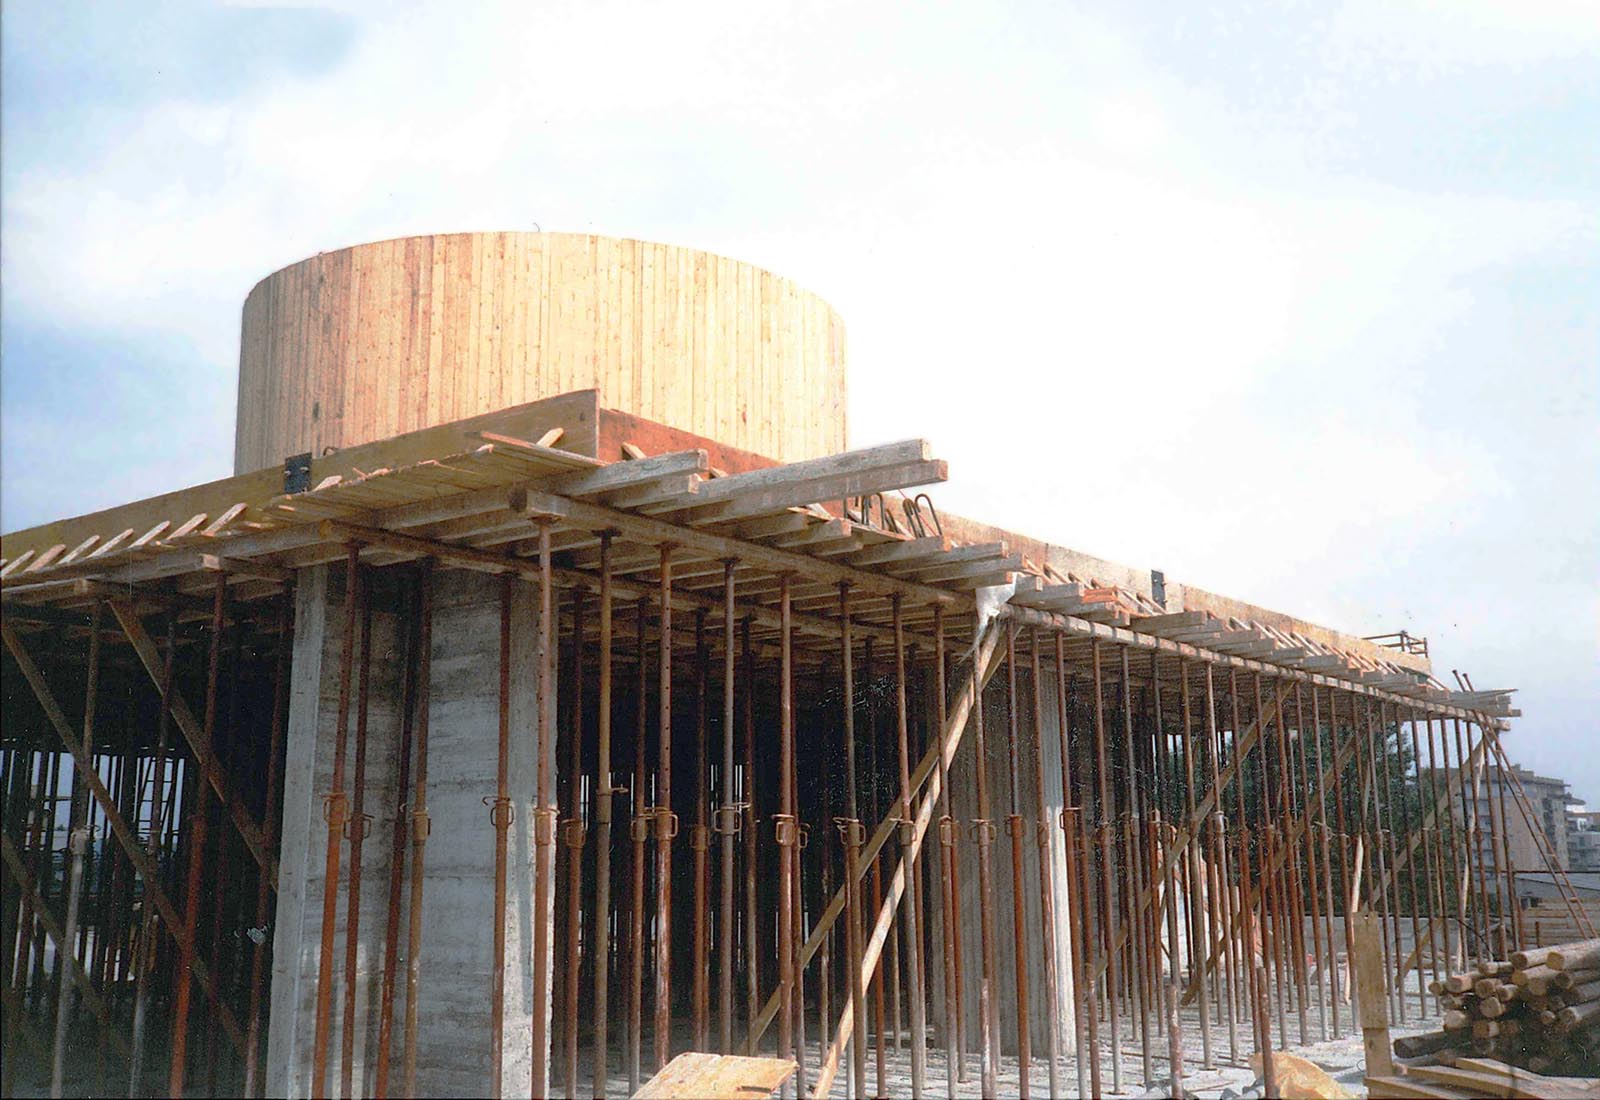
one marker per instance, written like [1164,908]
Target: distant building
[1549,800]
[1583,839]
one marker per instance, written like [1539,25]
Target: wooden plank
[575,412]
[905,453]
[1404,1088]
[112,544]
[650,530]
[804,492]
[697,1076]
[1164,625]
[1372,995]
[43,560]
[194,734]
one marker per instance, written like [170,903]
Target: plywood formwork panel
[371,341]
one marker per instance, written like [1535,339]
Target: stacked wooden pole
[1539,1009]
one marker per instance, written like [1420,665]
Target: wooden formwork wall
[370,341]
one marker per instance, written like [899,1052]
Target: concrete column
[454,1005]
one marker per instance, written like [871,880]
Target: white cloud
[1445,35]
[1135,317]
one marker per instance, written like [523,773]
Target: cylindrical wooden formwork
[371,341]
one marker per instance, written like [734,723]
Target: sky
[1297,302]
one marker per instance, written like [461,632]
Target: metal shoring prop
[1503,827]
[1019,934]
[1484,844]
[700,846]
[880,1054]
[1085,1008]
[543,828]
[1274,993]
[852,833]
[412,625]
[1383,807]
[1315,880]
[889,978]
[1472,847]
[1389,920]
[946,661]
[912,913]
[1254,971]
[335,812]
[1441,850]
[197,838]
[355,833]
[1325,846]
[1047,889]
[1361,730]
[824,955]
[1456,892]
[421,824]
[1244,913]
[1199,912]
[253,1082]
[1387,805]
[1173,987]
[572,837]
[78,843]
[1347,882]
[605,789]
[983,833]
[752,937]
[1291,868]
[219,865]
[500,818]
[666,825]
[785,833]
[1420,839]
[729,816]
[638,834]
[146,961]
[18,941]
[1108,869]
[1138,945]
[1410,828]
[1221,886]
[802,834]
[43,871]
[955,1051]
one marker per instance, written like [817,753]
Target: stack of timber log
[1539,1009]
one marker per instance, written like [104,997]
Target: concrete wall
[453,1004]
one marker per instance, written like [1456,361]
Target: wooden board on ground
[718,1077]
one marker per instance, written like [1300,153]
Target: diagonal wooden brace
[150,657]
[985,666]
[136,852]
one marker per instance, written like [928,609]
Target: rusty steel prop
[500,815]
[355,832]
[411,663]
[335,812]
[572,838]
[421,825]
[605,789]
